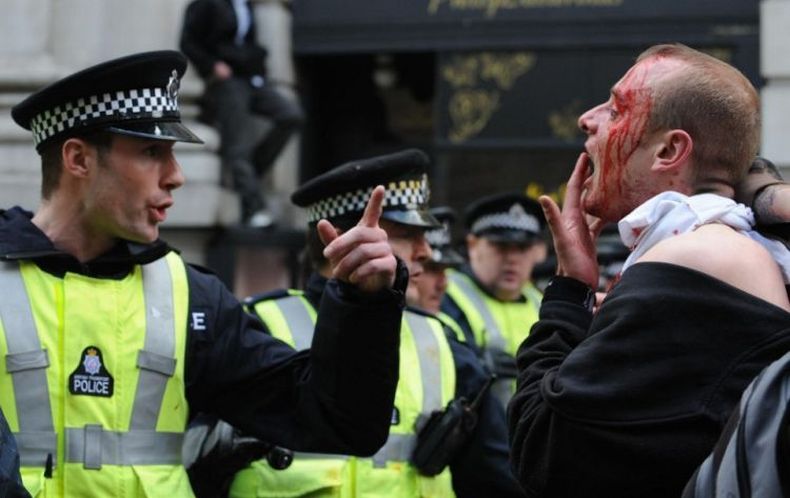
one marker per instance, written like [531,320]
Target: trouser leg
[239,135]
[286,116]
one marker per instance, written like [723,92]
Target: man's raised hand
[573,233]
[361,256]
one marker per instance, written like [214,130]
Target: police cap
[440,239]
[343,192]
[508,217]
[135,95]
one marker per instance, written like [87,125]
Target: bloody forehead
[634,83]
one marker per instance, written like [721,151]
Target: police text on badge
[91,377]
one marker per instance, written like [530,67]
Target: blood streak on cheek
[635,104]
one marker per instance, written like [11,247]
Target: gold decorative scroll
[477,83]
[563,122]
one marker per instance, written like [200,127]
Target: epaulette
[202,269]
[269,295]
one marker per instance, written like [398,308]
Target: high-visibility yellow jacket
[426,383]
[93,385]
[497,326]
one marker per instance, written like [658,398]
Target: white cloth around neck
[672,213]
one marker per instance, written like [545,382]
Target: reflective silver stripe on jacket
[299,321]
[157,358]
[27,362]
[92,445]
[399,447]
[494,338]
[495,341]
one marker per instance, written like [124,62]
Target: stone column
[775,67]
[273,18]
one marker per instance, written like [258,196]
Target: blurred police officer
[433,369]
[491,298]
[426,290]
[111,340]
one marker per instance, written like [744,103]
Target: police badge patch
[91,378]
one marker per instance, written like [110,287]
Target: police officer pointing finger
[111,340]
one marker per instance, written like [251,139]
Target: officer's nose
[173,175]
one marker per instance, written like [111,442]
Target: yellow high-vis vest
[497,326]
[426,384]
[93,384]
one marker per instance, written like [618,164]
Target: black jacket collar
[20,239]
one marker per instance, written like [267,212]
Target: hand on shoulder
[727,255]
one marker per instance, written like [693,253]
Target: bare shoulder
[727,255]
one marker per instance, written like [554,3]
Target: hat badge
[173,85]
[424,188]
[517,212]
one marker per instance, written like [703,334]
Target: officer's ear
[471,241]
[78,156]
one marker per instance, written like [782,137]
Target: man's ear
[77,156]
[673,150]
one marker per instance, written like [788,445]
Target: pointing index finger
[370,218]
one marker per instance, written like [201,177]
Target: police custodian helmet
[136,95]
[508,217]
[342,193]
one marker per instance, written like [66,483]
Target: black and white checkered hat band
[138,104]
[506,221]
[405,194]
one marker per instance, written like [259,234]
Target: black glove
[215,451]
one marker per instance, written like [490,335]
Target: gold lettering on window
[490,8]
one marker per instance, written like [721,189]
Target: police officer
[427,289]
[492,298]
[433,368]
[111,340]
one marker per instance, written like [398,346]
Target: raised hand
[573,230]
[361,256]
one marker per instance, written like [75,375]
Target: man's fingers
[370,218]
[359,256]
[380,268]
[576,181]
[595,225]
[551,211]
[326,232]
